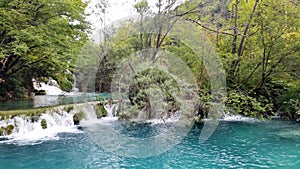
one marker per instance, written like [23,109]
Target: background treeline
[256,40]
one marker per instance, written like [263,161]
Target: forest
[256,41]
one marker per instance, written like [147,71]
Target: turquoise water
[270,144]
[50,100]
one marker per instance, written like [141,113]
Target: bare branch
[210,29]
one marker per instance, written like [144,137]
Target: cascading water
[32,129]
[111,109]
[89,111]
[51,88]
[167,118]
[74,85]
[235,117]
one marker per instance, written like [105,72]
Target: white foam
[52,88]
[28,132]
[110,109]
[171,119]
[230,117]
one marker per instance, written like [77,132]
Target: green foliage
[100,110]
[64,81]
[14,88]
[44,124]
[258,43]
[289,103]
[141,6]
[145,83]
[239,103]
[39,39]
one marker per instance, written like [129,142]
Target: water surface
[51,100]
[269,144]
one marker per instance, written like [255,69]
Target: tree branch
[26,65]
[210,29]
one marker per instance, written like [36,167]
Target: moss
[32,112]
[6,130]
[36,112]
[69,108]
[100,110]
[9,129]
[44,124]
[103,111]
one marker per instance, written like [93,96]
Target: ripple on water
[233,145]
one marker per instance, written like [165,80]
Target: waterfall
[167,118]
[111,109]
[74,88]
[51,88]
[89,111]
[33,129]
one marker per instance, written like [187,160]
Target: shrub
[290,104]
[100,110]
[247,105]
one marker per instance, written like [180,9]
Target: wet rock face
[76,120]
[40,92]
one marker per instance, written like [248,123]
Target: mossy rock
[9,129]
[78,117]
[44,124]
[124,117]
[2,131]
[100,110]
[69,108]
[6,130]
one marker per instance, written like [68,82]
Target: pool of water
[51,100]
[269,144]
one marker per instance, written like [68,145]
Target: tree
[39,38]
